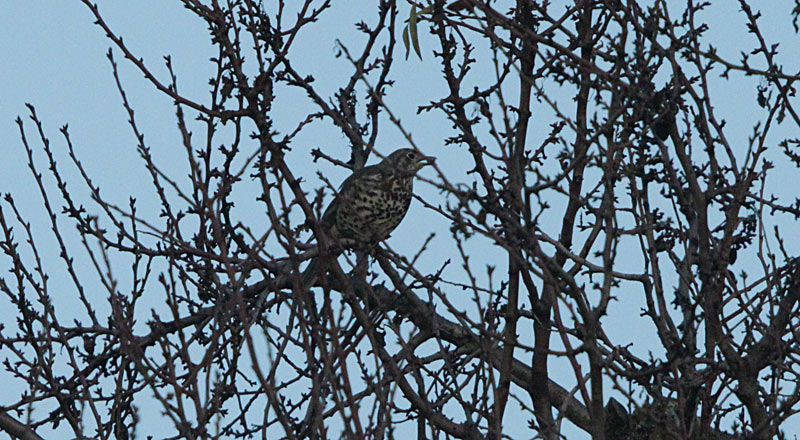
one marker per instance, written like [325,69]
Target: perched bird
[372,201]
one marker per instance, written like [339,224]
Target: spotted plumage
[373,201]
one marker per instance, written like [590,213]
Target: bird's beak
[426,160]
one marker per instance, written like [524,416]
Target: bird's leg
[362,260]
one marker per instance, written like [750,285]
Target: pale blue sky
[55,58]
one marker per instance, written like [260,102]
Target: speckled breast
[376,207]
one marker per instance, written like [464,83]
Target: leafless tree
[638,193]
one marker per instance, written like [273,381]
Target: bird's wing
[372,172]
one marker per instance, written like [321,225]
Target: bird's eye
[411,155]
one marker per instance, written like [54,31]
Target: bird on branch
[371,202]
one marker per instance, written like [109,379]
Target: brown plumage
[372,201]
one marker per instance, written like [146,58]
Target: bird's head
[408,161]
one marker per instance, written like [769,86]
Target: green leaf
[426,10]
[405,41]
[412,26]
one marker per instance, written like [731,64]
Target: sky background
[56,59]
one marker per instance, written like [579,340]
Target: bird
[372,201]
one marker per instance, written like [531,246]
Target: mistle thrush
[373,200]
